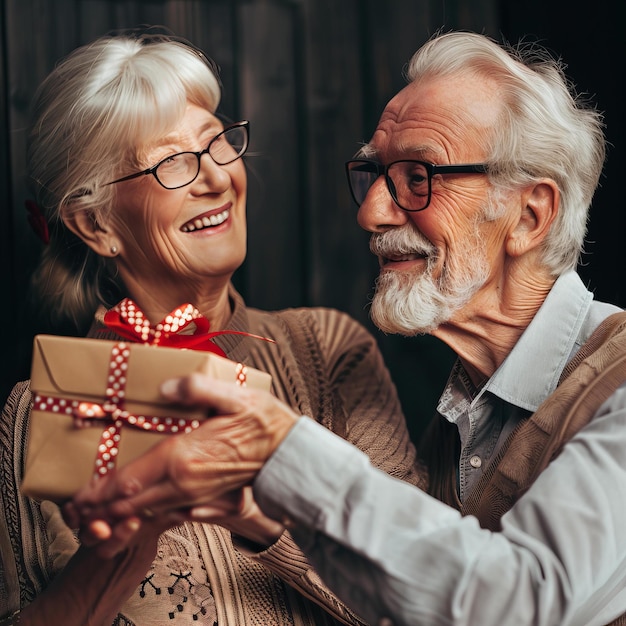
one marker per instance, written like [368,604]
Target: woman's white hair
[93,115]
[545,129]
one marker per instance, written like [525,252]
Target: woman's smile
[210,219]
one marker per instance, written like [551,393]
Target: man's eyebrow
[422,152]
[419,152]
[366,151]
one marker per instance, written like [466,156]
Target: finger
[204,488]
[209,514]
[199,389]
[122,535]
[152,501]
[95,532]
[148,469]
[229,504]
[98,489]
[262,417]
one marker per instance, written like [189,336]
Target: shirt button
[476,461]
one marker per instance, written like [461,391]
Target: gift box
[96,405]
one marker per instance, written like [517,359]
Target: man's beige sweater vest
[596,371]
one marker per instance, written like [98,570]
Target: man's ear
[85,226]
[539,206]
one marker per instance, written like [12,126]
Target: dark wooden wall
[313,77]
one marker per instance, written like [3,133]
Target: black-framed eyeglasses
[182,168]
[409,182]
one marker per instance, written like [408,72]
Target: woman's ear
[539,206]
[84,225]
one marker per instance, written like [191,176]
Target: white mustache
[398,241]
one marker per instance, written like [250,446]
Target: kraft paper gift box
[70,373]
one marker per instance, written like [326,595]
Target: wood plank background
[312,76]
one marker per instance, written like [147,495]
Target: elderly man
[475,186]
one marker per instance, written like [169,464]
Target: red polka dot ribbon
[112,410]
[184,327]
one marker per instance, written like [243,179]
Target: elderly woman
[144,191]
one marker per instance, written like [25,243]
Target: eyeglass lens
[407,181]
[181,169]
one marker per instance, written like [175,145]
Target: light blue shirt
[487,416]
[390,551]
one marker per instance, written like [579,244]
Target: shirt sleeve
[393,551]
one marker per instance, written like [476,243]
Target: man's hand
[185,472]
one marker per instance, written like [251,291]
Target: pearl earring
[113,250]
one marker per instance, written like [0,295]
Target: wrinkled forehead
[443,121]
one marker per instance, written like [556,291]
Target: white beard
[412,303]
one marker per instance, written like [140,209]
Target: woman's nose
[378,211]
[215,177]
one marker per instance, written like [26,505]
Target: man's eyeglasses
[182,169]
[409,182]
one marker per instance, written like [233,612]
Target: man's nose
[378,211]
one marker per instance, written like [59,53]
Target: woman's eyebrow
[177,137]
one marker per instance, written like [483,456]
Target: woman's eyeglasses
[182,168]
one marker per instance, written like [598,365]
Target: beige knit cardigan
[323,364]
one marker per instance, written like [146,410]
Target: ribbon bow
[37,221]
[184,327]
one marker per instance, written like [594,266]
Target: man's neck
[485,331]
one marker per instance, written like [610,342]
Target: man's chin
[393,314]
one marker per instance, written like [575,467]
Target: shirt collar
[531,371]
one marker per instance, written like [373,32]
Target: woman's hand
[90,587]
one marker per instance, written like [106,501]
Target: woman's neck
[213,304]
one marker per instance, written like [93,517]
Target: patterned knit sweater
[324,365]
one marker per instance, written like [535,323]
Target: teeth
[206,222]
[397,258]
